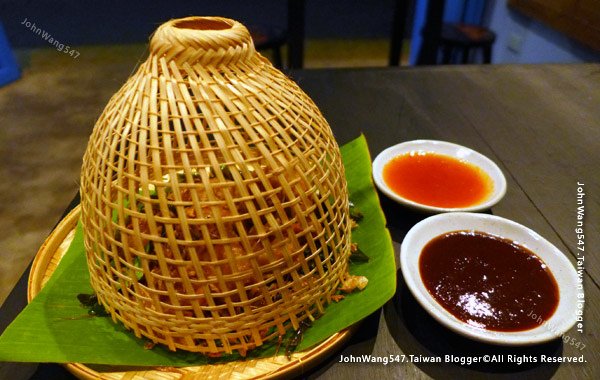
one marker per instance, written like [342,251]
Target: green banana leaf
[54,327]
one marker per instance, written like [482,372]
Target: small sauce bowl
[443,148]
[563,318]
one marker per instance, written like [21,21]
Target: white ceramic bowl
[441,147]
[561,321]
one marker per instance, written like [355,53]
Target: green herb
[226,170]
[87,299]
[296,338]
[90,301]
[139,273]
[355,213]
[115,212]
[358,256]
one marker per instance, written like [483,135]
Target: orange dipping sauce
[437,180]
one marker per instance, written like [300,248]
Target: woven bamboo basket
[214,202]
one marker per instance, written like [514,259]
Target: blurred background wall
[520,39]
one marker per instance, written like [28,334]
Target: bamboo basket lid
[213,198]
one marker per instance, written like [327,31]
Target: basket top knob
[204,40]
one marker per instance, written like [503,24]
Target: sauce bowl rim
[446,148]
[563,271]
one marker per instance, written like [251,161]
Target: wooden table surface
[539,123]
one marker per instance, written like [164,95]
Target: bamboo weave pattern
[214,202]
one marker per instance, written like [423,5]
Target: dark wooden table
[539,123]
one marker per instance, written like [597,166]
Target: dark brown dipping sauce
[487,281]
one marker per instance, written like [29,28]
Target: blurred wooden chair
[399,22]
[460,41]
[271,38]
[457,41]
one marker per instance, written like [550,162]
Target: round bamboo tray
[46,261]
